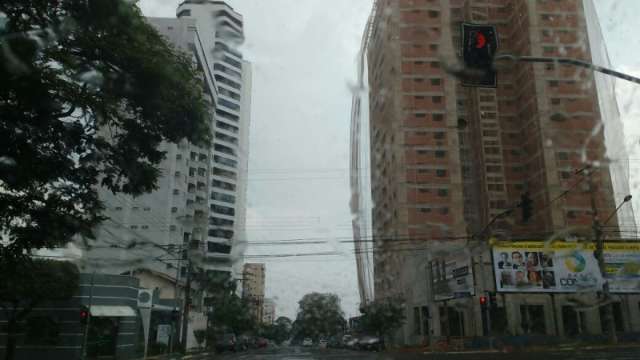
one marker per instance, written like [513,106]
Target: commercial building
[449,164]
[253,286]
[269,312]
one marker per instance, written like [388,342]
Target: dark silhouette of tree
[89,91]
[381,317]
[319,315]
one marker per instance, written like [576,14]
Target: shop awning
[112,311]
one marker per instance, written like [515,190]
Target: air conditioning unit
[145,298]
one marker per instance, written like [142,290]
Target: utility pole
[599,253]
[187,302]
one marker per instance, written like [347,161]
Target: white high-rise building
[201,197]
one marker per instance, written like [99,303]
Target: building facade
[269,312]
[448,162]
[253,286]
[199,207]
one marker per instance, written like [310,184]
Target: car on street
[226,342]
[323,343]
[370,342]
[307,342]
[351,343]
[262,343]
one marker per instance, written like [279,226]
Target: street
[295,353]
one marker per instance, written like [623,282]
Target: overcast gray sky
[304,56]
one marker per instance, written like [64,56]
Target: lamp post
[599,253]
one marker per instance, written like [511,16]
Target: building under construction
[449,166]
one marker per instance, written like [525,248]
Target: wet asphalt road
[299,353]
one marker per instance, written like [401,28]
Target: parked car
[307,342]
[262,343]
[371,342]
[351,343]
[226,342]
[323,343]
[334,342]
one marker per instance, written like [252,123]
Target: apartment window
[147,209]
[437,117]
[418,97]
[423,171]
[118,208]
[495,187]
[133,227]
[440,153]
[176,192]
[433,47]
[441,173]
[438,135]
[145,227]
[425,210]
[420,115]
[194,156]
[174,209]
[435,82]
[436,99]
[493,169]
[435,64]
[192,171]
[178,156]
[553,83]
[418,80]
[555,101]
[135,208]
[444,211]
[172,228]
[424,190]
[433,13]
[443,192]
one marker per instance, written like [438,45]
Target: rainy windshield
[375,179]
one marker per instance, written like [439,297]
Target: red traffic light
[481,40]
[84,314]
[483,300]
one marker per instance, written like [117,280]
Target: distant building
[253,276]
[268,311]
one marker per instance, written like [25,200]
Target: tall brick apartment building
[447,159]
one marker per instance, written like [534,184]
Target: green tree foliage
[382,316]
[319,315]
[279,331]
[40,281]
[89,91]
[229,312]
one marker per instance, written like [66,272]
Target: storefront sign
[452,276]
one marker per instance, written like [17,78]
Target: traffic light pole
[568,61]
[85,337]
[599,253]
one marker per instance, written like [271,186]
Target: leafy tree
[40,281]
[279,331]
[382,316]
[89,91]
[319,315]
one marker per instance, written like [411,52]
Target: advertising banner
[533,266]
[452,276]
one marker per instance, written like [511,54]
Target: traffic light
[483,302]
[526,204]
[479,45]
[84,314]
